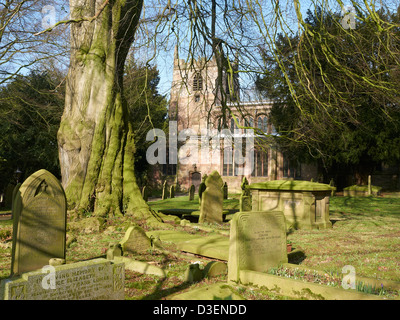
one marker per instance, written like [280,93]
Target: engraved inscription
[18,292]
[262,239]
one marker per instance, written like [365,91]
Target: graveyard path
[6,216]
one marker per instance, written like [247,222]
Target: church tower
[194,102]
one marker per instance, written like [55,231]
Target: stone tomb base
[97,279]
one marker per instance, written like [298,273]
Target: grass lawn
[365,235]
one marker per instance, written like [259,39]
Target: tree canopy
[30,113]
[336,93]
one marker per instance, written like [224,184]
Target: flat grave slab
[97,279]
[216,247]
[212,246]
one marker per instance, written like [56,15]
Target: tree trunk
[96,145]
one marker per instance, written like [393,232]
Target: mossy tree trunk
[96,143]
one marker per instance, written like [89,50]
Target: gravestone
[145,193]
[257,242]
[211,207]
[215,269]
[191,192]
[164,191]
[225,190]
[97,279]
[193,273]
[8,196]
[245,197]
[40,214]
[332,184]
[16,189]
[114,250]
[369,186]
[135,240]
[172,192]
[202,188]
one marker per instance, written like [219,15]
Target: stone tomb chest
[305,204]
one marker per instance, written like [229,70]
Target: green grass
[365,234]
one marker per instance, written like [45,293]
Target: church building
[217,122]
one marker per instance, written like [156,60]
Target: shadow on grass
[159,293]
[296,256]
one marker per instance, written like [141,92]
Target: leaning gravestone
[135,240]
[192,189]
[257,242]
[211,207]
[245,197]
[164,191]
[40,215]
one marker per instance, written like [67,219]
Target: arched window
[233,125]
[197,82]
[251,122]
[265,125]
[260,123]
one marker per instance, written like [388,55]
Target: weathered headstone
[215,269]
[164,191]
[193,273]
[40,214]
[225,190]
[202,188]
[8,195]
[191,192]
[135,240]
[114,250]
[332,184]
[369,186]
[97,279]
[245,197]
[16,189]
[257,242]
[211,207]
[172,192]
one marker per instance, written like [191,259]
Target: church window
[197,82]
